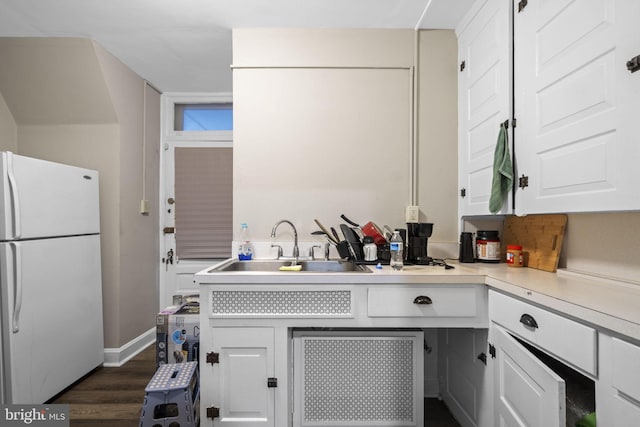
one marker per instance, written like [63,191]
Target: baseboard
[116,357]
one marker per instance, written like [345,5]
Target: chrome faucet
[296,251]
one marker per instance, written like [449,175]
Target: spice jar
[514,256]
[488,246]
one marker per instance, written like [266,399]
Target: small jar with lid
[370,249]
[514,256]
[487,246]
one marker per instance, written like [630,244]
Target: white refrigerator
[50,277]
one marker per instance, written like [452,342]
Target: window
[203,117]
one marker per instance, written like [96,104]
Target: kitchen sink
[319,266]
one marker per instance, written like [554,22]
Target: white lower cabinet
[544,365]
[239,368]
[527,392]
[302,355]
[619,385]
[542,369]
[353,355]
[571,342]
[465,380]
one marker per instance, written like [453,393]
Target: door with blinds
[197,192]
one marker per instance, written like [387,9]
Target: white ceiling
[185,45]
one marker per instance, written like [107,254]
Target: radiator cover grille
[358,379]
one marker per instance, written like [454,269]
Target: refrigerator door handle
[17,268]
[15,200]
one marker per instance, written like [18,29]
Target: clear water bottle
[245,248]
[396,246]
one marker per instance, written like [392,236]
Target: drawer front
[626,366]
[422,301]
[571,341]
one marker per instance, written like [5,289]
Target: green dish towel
[588,420]
[502,171]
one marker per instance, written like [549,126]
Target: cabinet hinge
[633,64]
[272,382]
[513,123]
[521,5]
[492,351]
[213,412]
[523,181]
[462,66]
[213,357]
[463,192]
[483,358]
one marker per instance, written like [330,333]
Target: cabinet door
[576,105]
[484,99]
[526,391]
[465,378]
[619,385]
[240,389]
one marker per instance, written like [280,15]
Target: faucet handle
[279,250]
[311,254]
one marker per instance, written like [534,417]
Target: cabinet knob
[529,321]
[422,299]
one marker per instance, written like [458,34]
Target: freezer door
[42,199]
[56,337]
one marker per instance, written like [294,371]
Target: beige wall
[604,244]
[437,173]
[79,105]
[53,81]
[8,128]
[138,162]
[322,48]
[290,163]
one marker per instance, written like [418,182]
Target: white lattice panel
[364,380]
[279,303]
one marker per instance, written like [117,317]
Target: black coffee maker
[418,234]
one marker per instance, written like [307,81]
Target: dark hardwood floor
[436,414]
[113,397]
[110,397]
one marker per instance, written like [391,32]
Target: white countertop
[606,304]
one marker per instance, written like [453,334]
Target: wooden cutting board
[540,236]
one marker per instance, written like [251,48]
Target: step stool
[172,397]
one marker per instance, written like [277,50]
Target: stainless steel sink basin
[331,266]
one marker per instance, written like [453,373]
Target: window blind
[204,202]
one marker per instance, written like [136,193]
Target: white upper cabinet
[560,69]
[577,139]
[484,100]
